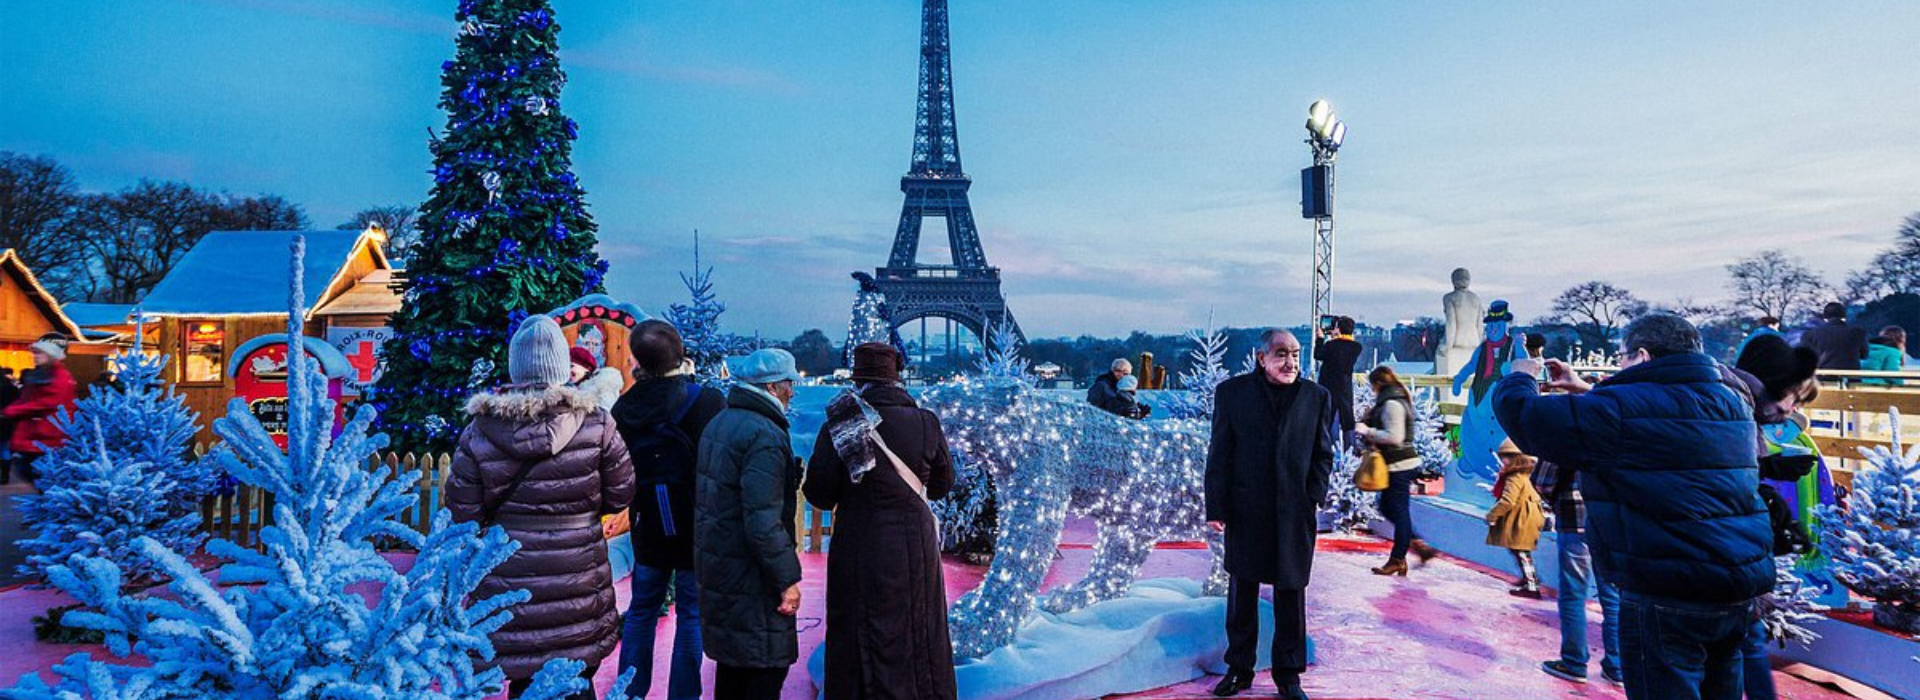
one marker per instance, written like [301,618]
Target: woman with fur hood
[543,461]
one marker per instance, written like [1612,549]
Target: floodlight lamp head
[1336,135]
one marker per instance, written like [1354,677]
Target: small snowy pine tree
[1348,509]
[698,320]
[324,614]
[869,323]
[118,440]
[1430,434]
[1207,368]
[1002,357]
[1871,540]
[1790,606]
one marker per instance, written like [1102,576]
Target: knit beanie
[538,352]
[51,348]
[1129,383]
[1776,364]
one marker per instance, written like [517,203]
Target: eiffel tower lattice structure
[967,291]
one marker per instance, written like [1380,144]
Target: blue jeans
[1578,582]
[1683,650]
[1759,670]
[643,619]
[1396,507]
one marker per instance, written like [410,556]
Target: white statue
[1464,332]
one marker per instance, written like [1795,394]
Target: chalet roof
[245,272]
[372,295]
[39,295]
[88,315]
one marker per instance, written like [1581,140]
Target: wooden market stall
[28,312]
[232,288]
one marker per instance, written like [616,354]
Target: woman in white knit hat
[545,462]
[44,390]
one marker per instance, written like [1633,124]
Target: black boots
[1234,683]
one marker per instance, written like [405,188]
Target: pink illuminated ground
[1447,631]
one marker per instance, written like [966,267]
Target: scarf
[852,424]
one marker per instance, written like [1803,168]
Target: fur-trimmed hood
[530,404]
[604,386]
[532,423]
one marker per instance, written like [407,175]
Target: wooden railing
[239,516]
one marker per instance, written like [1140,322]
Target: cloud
[627,62]
[389,18]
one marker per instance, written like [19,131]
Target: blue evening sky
[1135,162]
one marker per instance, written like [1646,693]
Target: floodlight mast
[1325,133]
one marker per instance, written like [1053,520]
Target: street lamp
[1325,134]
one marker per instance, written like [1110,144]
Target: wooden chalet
[28,312]
[232,288]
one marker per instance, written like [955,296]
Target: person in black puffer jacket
[747,493]
[1669,470]
[661,419]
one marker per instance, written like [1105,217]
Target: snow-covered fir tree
[1790,606]
[321,614]
[1002,357]
[698,320]
[1348,509]
[1872,542]
[870,323]
[1430,434]
[126,471]
[1206,369]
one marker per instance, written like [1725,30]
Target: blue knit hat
[538,352]
[766,366]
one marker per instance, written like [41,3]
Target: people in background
[1767,325]
[1840,345]
[1388,427]
[543,462]
[744,532]
[1274,441]
[662,419]
[1515,520]
[9,393]
[1337,356]
[886,594]
[602,383]
[1886,352]
[1104,393]
[1670,473]
[1129,404]
[44,391]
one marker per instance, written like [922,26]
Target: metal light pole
[1325,132]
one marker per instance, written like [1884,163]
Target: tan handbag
[1372,473]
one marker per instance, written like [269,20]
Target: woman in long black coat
[886,597]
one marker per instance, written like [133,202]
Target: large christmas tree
[504,232]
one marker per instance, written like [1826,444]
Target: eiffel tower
[966,292]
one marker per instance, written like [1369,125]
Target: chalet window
[205,352]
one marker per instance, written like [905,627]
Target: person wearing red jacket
[44,390]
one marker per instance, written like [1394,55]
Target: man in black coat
[1840,346]
[1104,392]
[1337,357]
[661,419]
[1267,469]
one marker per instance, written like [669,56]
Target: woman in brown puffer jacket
[543,461]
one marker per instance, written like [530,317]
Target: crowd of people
[710,483]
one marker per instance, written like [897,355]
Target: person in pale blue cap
[746,494]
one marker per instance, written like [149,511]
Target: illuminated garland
[1141,481]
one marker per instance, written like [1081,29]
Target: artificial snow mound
[1163,632]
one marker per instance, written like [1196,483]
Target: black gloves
[1784,467]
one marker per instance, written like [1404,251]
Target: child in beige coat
[1516,518]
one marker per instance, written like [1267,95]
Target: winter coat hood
[530,423]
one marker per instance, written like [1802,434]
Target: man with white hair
[1105,391]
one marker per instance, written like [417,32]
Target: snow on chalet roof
[245,272]
[86,315]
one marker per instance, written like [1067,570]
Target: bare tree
[1596,310]
[397,221]
[37,197]
[134,237]
[1772,283]
[1895,270]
